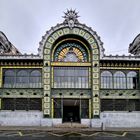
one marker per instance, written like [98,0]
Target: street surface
[43,135]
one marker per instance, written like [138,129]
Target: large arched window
[119,80]
[132,80]
[106,79]
[9,78]
[22,79]
[35,78]
[71,50]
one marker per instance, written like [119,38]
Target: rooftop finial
[71,17]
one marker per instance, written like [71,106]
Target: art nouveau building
[70,79]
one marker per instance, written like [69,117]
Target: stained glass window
[70,52]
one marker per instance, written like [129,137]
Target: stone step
[69,125]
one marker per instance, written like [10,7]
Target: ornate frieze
[21,93]
[120,94]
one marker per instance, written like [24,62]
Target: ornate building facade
[70,79]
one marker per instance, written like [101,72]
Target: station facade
[69,80]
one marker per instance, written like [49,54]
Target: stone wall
[117,120]
[106,120]
[26,118]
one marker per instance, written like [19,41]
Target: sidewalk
[64,129]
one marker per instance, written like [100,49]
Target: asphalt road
[43,135]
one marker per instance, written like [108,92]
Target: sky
[24,22]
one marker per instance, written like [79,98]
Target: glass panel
[120,105]
[35,79]
[22,78]
[107,105]
[106,79]
[70,52]
[119,80]
[132,80]
[84,108]
[57,108]
[22,104]
[71,77]
[9,78]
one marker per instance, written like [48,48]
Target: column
[47,91]
[95,85]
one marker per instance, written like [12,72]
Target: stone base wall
[117,120]
[26,118]
[86,122]
[106,120]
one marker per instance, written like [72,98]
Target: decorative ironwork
[120,105]
[71,18]
[119,94]
[21,104]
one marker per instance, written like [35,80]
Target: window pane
[22,78]
[71,77]
[132,80]
[119,80]
[106,79]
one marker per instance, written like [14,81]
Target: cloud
[24,22]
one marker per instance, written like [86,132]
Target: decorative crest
[71,18]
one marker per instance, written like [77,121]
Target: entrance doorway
[71,113]
[71,110]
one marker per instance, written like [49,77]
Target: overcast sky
[24,22]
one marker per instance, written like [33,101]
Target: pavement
[67,132]
[65,129]
[71,135]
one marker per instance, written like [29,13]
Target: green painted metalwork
[120,94]
[21,93]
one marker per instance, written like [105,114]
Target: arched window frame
[119,80]
[106,80]
[35,78]
[22,78]
[132,80]
[9,78]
